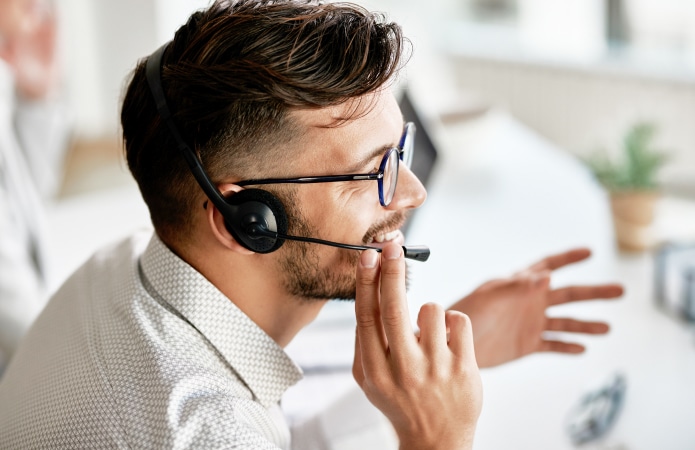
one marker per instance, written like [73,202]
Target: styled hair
[231,75]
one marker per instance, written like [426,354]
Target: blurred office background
[515,93]
[579,72]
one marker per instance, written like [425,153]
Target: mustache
[394,222]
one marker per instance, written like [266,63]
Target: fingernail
[392,251]
[368,259]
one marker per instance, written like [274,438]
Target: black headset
[254,217]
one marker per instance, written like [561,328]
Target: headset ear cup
[256,207]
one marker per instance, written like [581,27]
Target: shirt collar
[256,358]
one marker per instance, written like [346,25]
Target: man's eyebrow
[375,153]
[367,159]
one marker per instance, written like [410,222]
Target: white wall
[585,110]
[101,41]
[580,110]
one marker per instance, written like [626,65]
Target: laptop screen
[425,153]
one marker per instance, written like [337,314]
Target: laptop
[425,154]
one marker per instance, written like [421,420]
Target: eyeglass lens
[390,177]
[391,167]
[408,144]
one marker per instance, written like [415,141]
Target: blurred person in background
[33,137]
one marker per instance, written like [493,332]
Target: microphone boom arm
[414,252]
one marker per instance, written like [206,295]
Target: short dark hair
[230,76]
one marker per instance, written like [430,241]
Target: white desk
[502,200]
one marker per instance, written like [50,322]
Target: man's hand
[508,315]
[428,386]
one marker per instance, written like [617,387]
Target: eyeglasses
[386,177]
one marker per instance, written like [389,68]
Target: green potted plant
[632,184]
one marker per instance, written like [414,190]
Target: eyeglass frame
[408,134]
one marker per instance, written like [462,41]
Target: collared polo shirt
[139,350]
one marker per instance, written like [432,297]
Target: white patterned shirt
[139,350]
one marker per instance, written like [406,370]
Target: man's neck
[243,280]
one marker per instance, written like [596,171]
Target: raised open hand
[428,385]
[509,315]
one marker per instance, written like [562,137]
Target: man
[33,136]
[176,340]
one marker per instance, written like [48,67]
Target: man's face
[345,212]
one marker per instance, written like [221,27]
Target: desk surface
[502,198]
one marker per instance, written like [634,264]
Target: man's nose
[410,193]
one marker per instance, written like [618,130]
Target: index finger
[370,333]
[393,305]
[558,260]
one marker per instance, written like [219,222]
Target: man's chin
[328,286]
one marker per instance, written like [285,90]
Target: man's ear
[217,225]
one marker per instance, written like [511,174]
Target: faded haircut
[231,75]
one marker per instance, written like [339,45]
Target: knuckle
[391,269]
[391,321]
[418,383]
[366,280]
[438,373]
[519,283]
[378,382]
[465,368]
[430,313]
[366,319]
[432,309]
[392,314]
[458,318]
[525,276]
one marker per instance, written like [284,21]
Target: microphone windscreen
[416,252]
